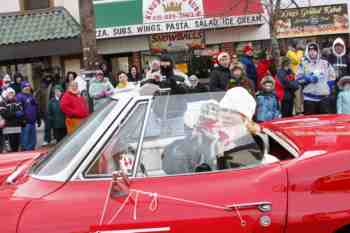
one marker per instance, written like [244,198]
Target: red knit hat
[247,48]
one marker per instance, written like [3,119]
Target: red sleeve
[66,105]
[82,110]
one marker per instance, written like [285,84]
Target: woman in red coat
[74,107]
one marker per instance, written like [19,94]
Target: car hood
[10,162]
[319,134]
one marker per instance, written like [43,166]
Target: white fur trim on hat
[7,91]
[238,99]
[342,43]
[223,54]
[7,78]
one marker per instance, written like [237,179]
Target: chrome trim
[282,142]
[79,174]
[142,136]
[253,205]
[95,139]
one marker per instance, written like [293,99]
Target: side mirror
[120,184]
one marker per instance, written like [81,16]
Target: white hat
[238,99]
[7,91]
[223,54]
[6,78]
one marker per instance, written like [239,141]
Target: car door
[242,200]
[186,203]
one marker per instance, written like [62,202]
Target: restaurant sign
[310,21]
[177,26]
[115,18]
[177,41]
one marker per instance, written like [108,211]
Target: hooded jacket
[267,103]
[219,78]
[322,70]
[340,62]
[30,107]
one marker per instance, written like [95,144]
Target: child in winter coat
[74,107]
[267,102]
[343,100]
[56,116]
[286,78]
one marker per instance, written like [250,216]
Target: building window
[27,5]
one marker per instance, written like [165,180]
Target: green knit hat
[285,61]
[58,87]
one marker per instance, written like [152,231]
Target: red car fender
[318,193]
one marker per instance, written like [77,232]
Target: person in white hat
[240,100]
[220,76]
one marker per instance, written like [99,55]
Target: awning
[39,33]
[116,18]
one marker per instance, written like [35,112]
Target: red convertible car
[182,164]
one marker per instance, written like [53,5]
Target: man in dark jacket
[56,116]
[247,61]
[169,79]
[220,76]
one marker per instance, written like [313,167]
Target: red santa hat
[247,48]
[222,55]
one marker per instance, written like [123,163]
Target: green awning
[38,25]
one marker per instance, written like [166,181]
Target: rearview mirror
[120,184]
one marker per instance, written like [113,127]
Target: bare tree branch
[295,3]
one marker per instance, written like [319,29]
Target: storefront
[322,24]
[36,41]
[133,32]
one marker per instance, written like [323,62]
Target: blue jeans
[28,137]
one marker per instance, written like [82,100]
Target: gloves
[311,78]
[306,79]
[109,93]
[19,114]
[331,85]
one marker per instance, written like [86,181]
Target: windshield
[194,133]
[60,157]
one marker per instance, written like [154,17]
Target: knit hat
[6,78]
[262,54]
[6,92]
[25,84]
[247,48]
[344,80]
[238,99]
[166,58]
[285,61]
[266,80]
[58,87]
[222,55]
